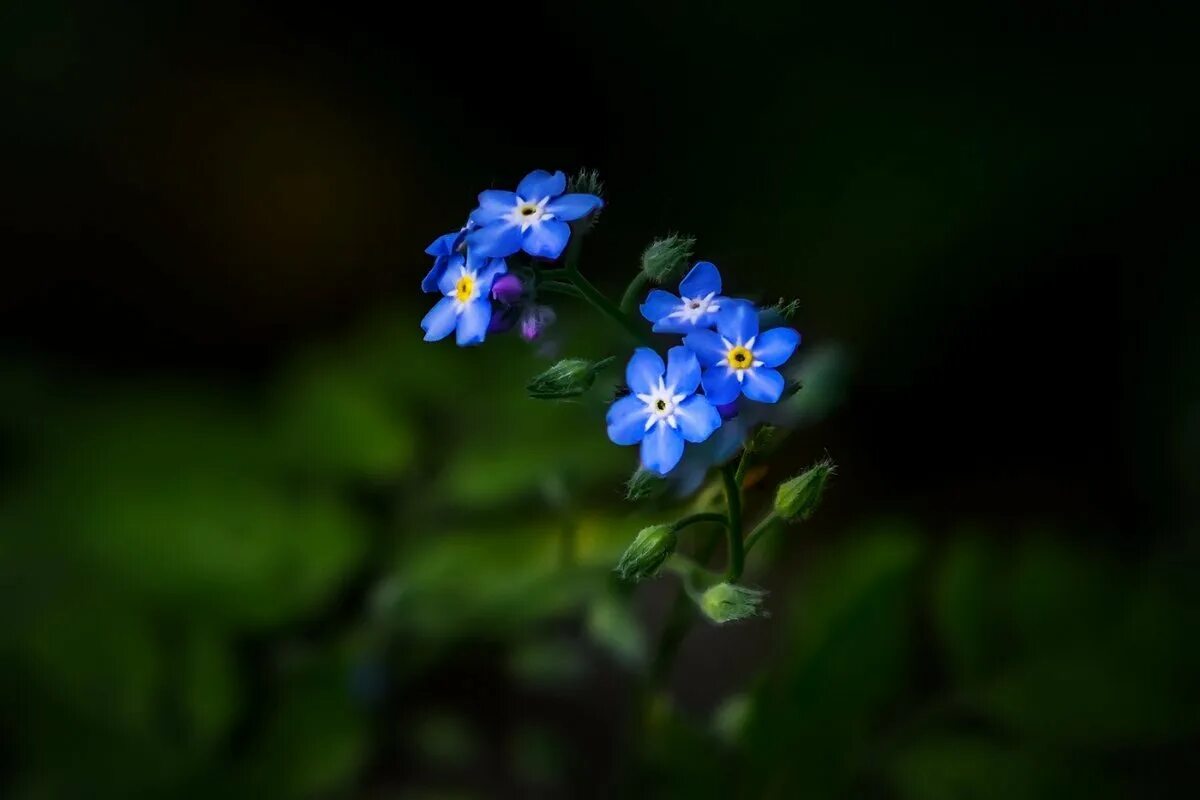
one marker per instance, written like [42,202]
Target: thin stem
[679,619]
[760,529]
[597,298]
[733,499]
[692,519]
[555,287]
[743,465]
[635,287]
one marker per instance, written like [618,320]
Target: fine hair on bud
[569,378]
[644,484]
[729,602]
[647,553]
[586,181]
[798,498]
[667,256]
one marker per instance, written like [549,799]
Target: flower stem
[596,297]
[760,529]
[733,499]
[692,519]
[629,299]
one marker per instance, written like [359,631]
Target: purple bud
[728,410]
[503,319]
[508,289]
[535,319]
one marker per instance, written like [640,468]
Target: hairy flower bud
[568,378]
[507,289]
[664,257]
[728,602]
[644,484]
[797,498]
[534,320]
[647,553]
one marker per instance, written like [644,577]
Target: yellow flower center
[739,357]
[464,289]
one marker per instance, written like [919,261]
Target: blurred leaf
[964,615]
[612,624]
[446,740]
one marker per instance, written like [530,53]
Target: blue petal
[707,346]
[450,276]
[683,370]
[473,322]
[574,206]
[720,385]
[776,346]
[440,320]
[494,268]
[737,321]
[443,245]
[644,370]
[430,282]
[546,239]
[702,279]
[539,184]
[697,418]
[662,448]
[763,384]
[493,205]
[658,304]
[495,241]
[626,420]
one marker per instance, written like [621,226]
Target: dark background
[223,442]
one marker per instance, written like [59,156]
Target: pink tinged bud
[728,410]
[508,289]
[534,320]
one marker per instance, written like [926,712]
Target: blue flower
[442,248]
[740,361]
[697,306]
[663,410]
[467,284]
[533,219]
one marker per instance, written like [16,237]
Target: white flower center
[466,289]
[691,309]
[739,357]
[529,212]
[661,402]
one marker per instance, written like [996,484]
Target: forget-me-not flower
[663,410]
[442,248]
[466,307]
[533,219]
[697,306]
[738,360]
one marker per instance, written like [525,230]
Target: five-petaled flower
[697,306]
[442,248]
[533,219]
[738,359]
[663,410]
[466,307]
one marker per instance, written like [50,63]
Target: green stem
[635,287]
[733,499]
[760,529]
[596,297]
[692,519]
[561,288]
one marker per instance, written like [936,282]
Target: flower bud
[797,498]
[534,320]
[664,257]
[508,289]
[728,602]
[503,319]
[647,553]
[644,484]
[568,378]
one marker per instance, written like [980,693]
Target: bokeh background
[257,539]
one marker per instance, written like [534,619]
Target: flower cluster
[724,354]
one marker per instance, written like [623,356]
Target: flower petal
[495,241]
[720,385]
[440,320]
[573,206]
[737,321]
[776,346]
[662,448]
[546,239]
[763,384]
[430,282]
[473,322]
[697,418]
[644,370]
[539,184]
[702,279]
[626,420]
[443,245]
[493,205]
[707,346]
[450,276]
[658,304]
[683,370]
[491,270]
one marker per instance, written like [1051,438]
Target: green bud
[798,498]
[644,485]
[784,309]
[568,378]
[728,602]
[586,181]
[761,438]
[647,553]
[790,388]
[664,257]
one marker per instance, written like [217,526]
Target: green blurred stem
[555,287]
[635,287]
[743,465]
[733,531]
[692,519]
[760,529]
[596,297]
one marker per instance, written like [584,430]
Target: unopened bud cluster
[647,553]
[799,497]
